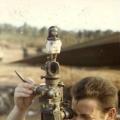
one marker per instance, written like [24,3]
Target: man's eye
[85,117]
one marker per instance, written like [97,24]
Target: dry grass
[7,73]
[69,75]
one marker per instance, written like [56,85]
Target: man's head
[94,99]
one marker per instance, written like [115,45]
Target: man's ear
[112,113]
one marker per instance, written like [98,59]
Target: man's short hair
[97,88]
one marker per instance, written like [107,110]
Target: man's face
[88,109]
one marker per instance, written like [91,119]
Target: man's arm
[16,114]
[23,97]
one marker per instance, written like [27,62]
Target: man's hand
[23,96]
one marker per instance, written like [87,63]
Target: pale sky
[66,14]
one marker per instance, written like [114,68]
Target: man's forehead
[85,106]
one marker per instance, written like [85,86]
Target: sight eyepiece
[52,68]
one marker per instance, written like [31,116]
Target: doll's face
[54,31]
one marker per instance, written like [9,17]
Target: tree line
[35,37]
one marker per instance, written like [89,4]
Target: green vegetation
[26,35]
